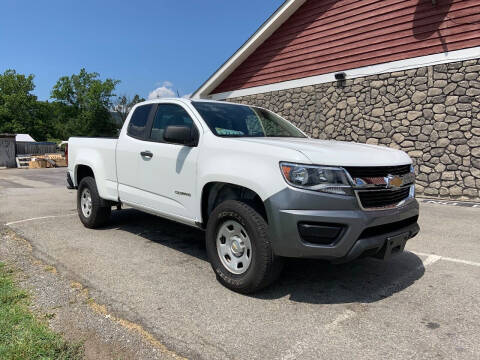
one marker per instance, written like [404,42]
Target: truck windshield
[228,120]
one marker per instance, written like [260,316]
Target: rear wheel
[92,210]
[239,248]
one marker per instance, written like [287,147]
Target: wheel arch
[82,171]
[214,193]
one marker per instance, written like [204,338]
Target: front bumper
[364,232]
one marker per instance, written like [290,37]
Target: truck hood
[338,153]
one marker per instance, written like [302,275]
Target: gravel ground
[72,312]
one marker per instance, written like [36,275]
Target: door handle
[147,154]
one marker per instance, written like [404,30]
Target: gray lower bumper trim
[375,243]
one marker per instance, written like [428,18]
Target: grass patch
[24,336]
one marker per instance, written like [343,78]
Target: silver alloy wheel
[86,203]
[234,247]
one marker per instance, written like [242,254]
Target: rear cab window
[138,122]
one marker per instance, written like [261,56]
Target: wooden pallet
[41,161]
[23,162]
[45,162]
[53,156]
[55,160]
[39,164]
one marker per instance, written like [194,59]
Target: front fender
[254,167]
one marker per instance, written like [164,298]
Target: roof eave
[263,33]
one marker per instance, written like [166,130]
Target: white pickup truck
[259,186]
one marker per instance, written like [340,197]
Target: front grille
[382,198]
[377,171]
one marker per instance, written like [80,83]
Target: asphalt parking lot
[423,304]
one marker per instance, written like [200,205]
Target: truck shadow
[303,280]
[365,280]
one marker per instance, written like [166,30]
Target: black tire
[100,210]
[264,267]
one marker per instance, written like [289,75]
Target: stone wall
[432,113]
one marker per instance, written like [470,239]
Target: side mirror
[183,135]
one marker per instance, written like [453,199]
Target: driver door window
[168,115]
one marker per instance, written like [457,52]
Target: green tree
[19,112]
[123,104]
[83,104]
[49,115]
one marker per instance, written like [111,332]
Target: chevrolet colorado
[260,188]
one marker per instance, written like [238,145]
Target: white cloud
[163,91]
[167,84]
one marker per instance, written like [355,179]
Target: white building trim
[412,63]
[263,33]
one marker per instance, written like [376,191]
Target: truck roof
[183,100]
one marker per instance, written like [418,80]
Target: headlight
[317,178]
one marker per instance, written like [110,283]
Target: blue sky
[147,44]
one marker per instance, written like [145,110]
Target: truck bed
[99,154]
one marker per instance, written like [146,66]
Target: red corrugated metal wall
[335,35]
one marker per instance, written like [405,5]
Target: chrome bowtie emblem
[392,181]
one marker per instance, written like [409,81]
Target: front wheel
[92,210]
[239,248]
